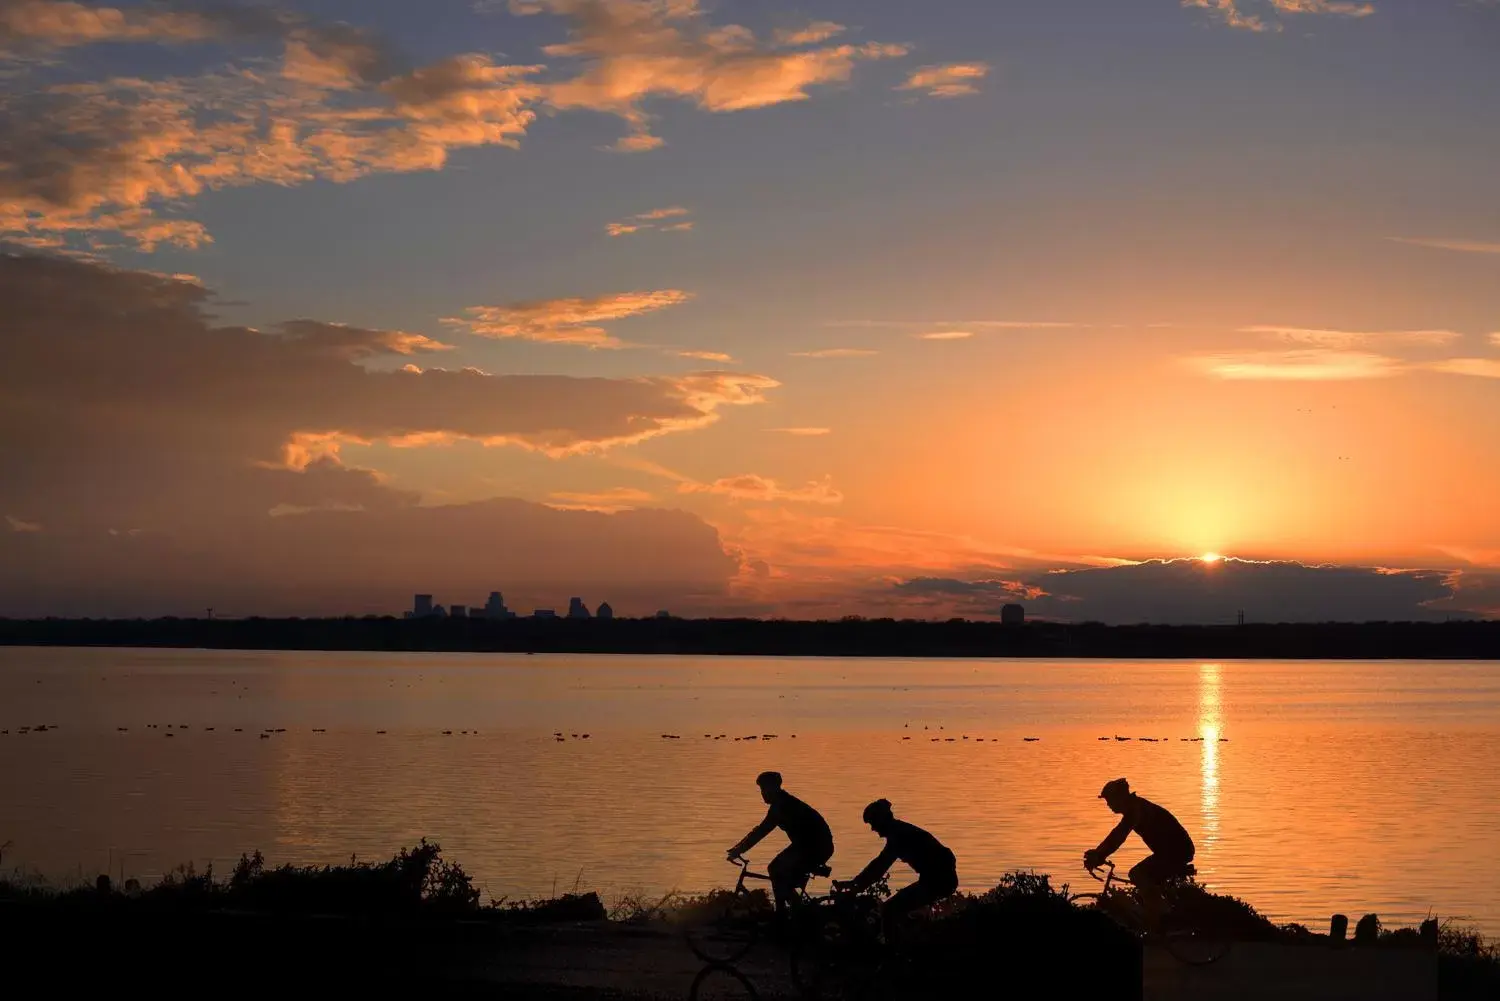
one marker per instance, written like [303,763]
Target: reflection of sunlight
[1209,723]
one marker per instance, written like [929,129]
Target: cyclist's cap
[772,779]
[1115,787]
[881,808]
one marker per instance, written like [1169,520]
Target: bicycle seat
[822,870]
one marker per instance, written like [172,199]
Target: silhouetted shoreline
[854,637]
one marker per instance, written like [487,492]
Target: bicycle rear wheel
[716,982]
[728,929]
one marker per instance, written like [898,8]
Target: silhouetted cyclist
[929,858]
[811,841]
[1171,848]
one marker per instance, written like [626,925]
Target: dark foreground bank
[1468,640]
[416,926]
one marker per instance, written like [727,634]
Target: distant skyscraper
[421,606]
[495,607]
[577,609]
[604,612]
[663,614]
[458,611]
[544,613]
[1012,615]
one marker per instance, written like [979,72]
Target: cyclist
[1171,849]
[933,862]
[811,841]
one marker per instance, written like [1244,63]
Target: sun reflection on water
[1210,722]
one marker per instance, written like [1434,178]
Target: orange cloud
[1234,14]
[717,356]
[1344,340]
[20,525]
[1313,364]
[836,353]
[946,335]
[61,24]
[1461,246]
[753,487]
[1483,368]
[634,50]
[951,80]
[812,34]
[802,432]
[605,501]
[1495,338]
[566,321]
[652,220]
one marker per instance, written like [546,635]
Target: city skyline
[1118,309]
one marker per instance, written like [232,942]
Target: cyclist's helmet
[878,810]
[768,780]
[1113,788]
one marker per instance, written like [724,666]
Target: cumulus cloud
[168,456]
[836,353]
[631,51]
[566,321]
[1264,15]
[1194,592]
[811,34]
[86,160]
[1311,364]
[950,80]
[1460,246]
[656,219]
[119,377]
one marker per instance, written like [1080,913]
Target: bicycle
[735,920]
[1188,942]
[838,951]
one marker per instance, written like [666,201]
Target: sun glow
[1210,557]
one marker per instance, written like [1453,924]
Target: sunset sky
[891,307]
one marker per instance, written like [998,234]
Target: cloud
[946,335]
[802,432]
[812,34]
[716,356]
[632,51]
[119,156]
[1495,338]
[752,487]
[1193,592]
[566,321]
[1312,364]
[1345,340]
[1243,13]
[836,353]
[975,324]
[1460,246]
[606,501]
[20,525]
[656,219]
[1483,368]
[62,24]
[118,377]
[950,80]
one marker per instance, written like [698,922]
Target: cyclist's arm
[1115,839]
[878,867]
[754,838]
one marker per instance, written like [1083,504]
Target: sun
[1210,557]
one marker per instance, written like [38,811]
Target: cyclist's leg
[1149,875]
[925,892]
[788,871]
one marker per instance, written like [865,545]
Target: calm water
[1342,786]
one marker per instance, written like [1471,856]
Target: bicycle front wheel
[1193,947]
[728,929]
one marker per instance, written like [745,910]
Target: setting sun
[1210,557]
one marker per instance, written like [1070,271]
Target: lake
[1309,787]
